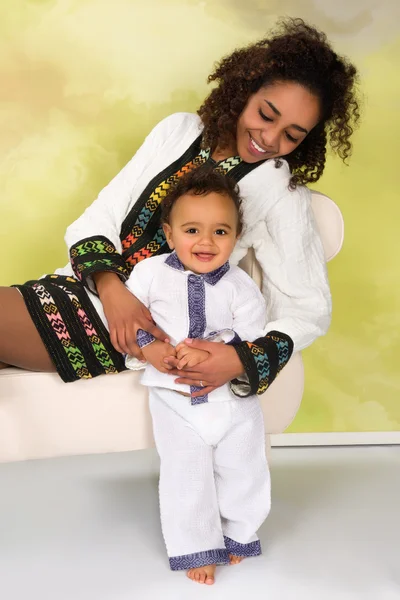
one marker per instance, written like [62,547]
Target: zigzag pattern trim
[148,250]
[154,201]
[96,254]
[98,347]
[262,360]
[70,328]
[74,354]
[228,164]
[92,246]
[156,198]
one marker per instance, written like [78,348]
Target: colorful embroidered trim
[70,328]
[141,234]
[155,199]
[262,361]
[145,237]
[96,254]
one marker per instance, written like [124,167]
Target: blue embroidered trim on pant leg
[199,559]
[250,549]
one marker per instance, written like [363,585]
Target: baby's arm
[155,352]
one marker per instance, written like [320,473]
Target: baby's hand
[189,357]
[155,353]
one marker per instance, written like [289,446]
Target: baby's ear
[168,235]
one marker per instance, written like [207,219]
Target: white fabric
[234,303]
[214,477]
[279,224]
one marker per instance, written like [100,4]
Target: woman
[277,105]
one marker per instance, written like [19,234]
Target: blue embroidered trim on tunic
[197,320]
[250,549]
[199,559]
[197,305]
[143,338]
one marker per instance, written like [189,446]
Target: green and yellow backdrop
[83,81]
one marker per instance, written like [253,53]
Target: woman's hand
[221,366]
[125,314]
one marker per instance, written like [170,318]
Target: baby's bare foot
[235,560]
[203,574]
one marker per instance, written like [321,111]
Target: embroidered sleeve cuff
[262,360]
[143,338]
[227,336]
[95,255]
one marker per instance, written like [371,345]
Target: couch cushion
[40,416]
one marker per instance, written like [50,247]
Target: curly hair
[200,182]
[297,53]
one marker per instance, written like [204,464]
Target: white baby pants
[214,487]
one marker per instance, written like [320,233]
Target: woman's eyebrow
[276,111]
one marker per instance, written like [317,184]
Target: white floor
[86,528]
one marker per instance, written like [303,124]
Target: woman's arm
[126,310]
[295,286]
[93,240]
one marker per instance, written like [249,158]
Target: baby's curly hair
[200,182]
[297,53]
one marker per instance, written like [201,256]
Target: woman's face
[275,121]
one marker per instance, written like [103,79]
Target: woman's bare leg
[20,343]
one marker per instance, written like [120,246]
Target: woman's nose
[270,138]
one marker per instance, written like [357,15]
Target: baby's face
[202,231]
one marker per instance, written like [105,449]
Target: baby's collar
[211,278]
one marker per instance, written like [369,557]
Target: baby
[214,478]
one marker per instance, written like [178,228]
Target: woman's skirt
[73,333]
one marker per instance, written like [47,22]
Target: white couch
[40,416]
